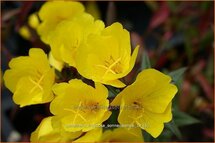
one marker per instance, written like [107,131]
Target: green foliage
[112,91]
[174,129]
[177,74]
[145,63]
[183,119]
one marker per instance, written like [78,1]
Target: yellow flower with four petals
[147,102]
[78,106]
[30,78]
[53,13]
[106,57]
[70,34]
[47,132]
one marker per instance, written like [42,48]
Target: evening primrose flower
[69,34]
[30,78]
[54,12]
[147,102]
[45,132]
[122,135]
[80,107]
[106,57]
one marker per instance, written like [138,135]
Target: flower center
[112,66]
[92,106]
[137,106]
[37,81]
[60,18]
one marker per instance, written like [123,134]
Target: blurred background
[172,35]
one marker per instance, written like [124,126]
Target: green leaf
[174,129]
[177,74]
[112,91]
[58,74]
[183,119]
[147,137]
[145,63]
[113,118]
[165,136]
[173,6]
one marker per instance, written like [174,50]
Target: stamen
[108,67]
[76,113]
[102,66]
[37,84]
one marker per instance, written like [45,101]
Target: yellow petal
[91,136]
[59,88]
[45,132]
[137,90]
[106,116]
[25,32]
[38,94]
[151,125]
[51,10]
[155,74]
[161,97]
[54,12]
[122,135]
[124,117]
[55,63]
[133,57]
[115,83]
[101,91]
[166,116]
[33,21]
[11,79]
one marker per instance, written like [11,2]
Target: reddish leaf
[205,85]
[160,16]
[205,21]
[208,132]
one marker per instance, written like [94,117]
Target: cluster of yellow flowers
[101,54]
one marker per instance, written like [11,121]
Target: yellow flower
[25,32]
[69,35]
[33,21]
[80,107]
[147,102]
[30,78]
[106,57]
[122,135]
[45,132]
[54,12]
